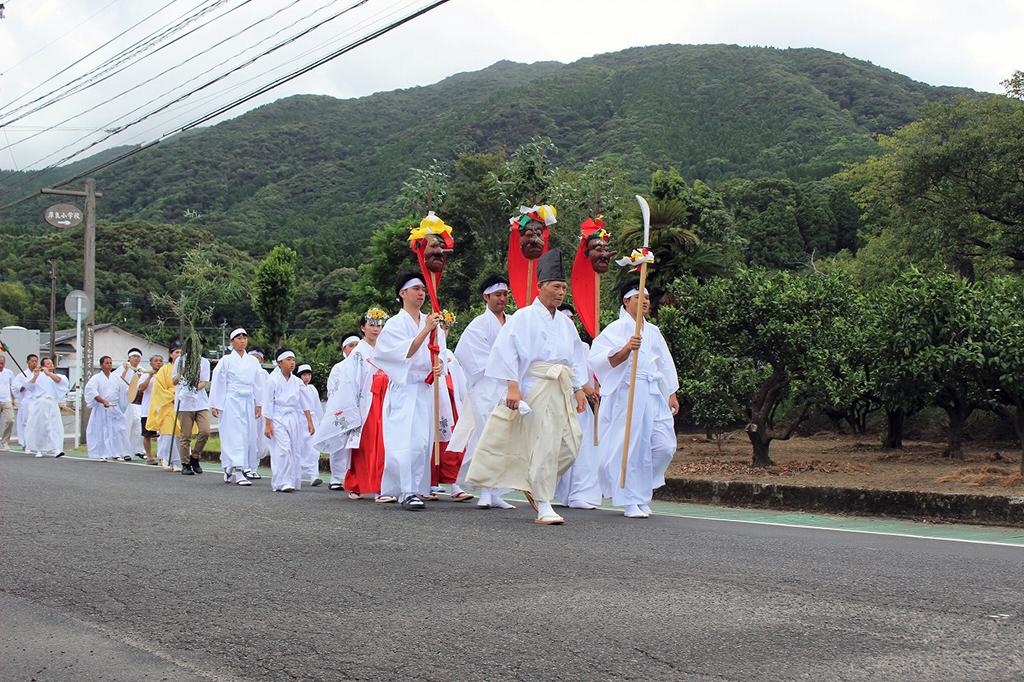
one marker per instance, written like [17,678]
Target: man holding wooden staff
[652,438]
[534,436]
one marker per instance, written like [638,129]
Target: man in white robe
[652,441]
[580,486]
[44,428]
[287,422]
[310,402]
[534,437]
[133,415]
[146,389]
[107,432]
[234,400]
[403,353]
[339,454]
[483,392]
[259,445]
[24,394]
[7,403]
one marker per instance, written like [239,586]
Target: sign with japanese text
[63,215]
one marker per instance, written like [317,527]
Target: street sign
[77,305]
[63,215]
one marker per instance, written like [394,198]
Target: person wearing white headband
[652,442]
[311,400]
[483,392]
[236,401]
[403,353]
[288,422]
[131,371]
[44,430]
[351,429]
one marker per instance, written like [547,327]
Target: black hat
[491,280]
[549,267]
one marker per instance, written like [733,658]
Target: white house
[108,339]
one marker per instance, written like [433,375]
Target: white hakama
[107,432]
[652,442]
[529,452]
[582,482]
[233,389]
[44,427]
[283,408]
[24,392]
[133,413]
[340,427]
[311,455]
[408,421]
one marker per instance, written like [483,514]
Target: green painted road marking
[950,532]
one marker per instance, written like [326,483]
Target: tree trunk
[761,444]
[957,415]
[1018,425]
[894,428]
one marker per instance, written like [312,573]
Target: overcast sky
[941,42]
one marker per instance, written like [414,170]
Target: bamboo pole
[529,283]
[437,393]
[632,375]
[597,330]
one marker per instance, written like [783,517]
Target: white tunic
[133,413]
[24,392]
[6,385]
[408,421]
[233,389]
[311,458]
[482,392]
[106,434]
[348,401]
[44,428]
[283,407]
[582,482]
[188,399]
[652,440]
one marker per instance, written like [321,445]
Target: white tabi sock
[485,498]
[544,509]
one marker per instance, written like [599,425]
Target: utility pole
[53,312]
[90,195]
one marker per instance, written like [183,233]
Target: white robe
[582,482]
[311,456]
[133,413]
[340,428]
[233,390]
[283,407]
[409,407]
[107,432]
[44,428]
[482,392]
[532,335]
[652,442]
[24,392]
[259,444]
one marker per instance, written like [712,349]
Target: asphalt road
[120,572]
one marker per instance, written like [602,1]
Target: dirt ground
[854,462]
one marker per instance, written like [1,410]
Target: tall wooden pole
[53,312]
[437,390]
[632,373]
[597,330]
[85,352]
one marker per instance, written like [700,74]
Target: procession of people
[521,403]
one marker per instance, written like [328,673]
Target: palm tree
[677,248]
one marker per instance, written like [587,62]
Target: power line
[256,93]
[118,129]
[81,59]
[166,71]
[126,55]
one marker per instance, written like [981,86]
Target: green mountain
[321,173]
